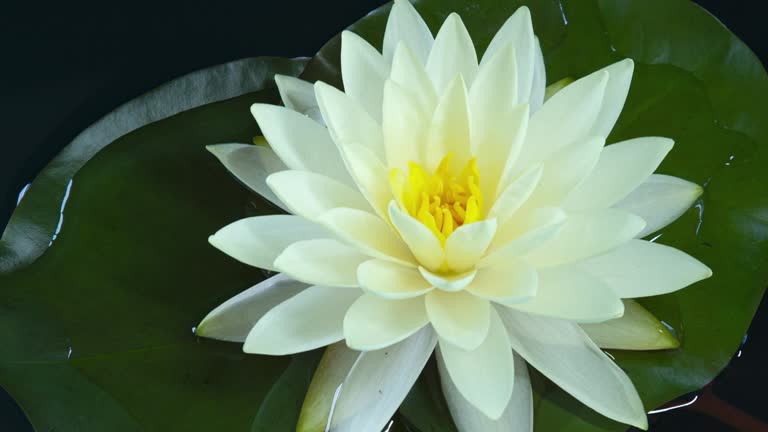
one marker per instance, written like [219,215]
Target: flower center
[441,201]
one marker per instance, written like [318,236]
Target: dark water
[66,64]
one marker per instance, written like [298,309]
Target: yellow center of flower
[441,201]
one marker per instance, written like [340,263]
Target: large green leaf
[694,82]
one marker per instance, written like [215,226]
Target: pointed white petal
[515,194]
[587,234]
[524,233]
[555,346]
[368,233]
[459,317]
[251,164]
[321,262]
[232,320]
[391,281]
[519,31]
[514,281]
[465,247]
[497,152]
[424,245]
[494,89]
[620,77]
[405,126]
[485,375]
[622,167]
[309,195]
[406,25]
[258,240]
[278,332]
[299,95]
[374,323]
[409,73]
[453,53]
[379,382]
[539,84]
[640,269]
[449,283]
[637,330]
[363,71]
[659,200]
[449,131]
[370,175]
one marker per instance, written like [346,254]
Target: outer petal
[620,74]
[641,269]
[622,167]
[406,25]
[379,382]
[554,346]
[637,329]
[518,415]
[660,200]
[465,247]
[484,376]
[497,152]
[299,95]
[424,245]
[280,333]
[452,54]
[523,234]
[539,85]
[309,195]
[459,317]
[374,323]
[258,240]
[232,320]
[519,31]
[514,281]
[405,125]
[251,164]
[409,73]
[322,262]
[391,281]
[515,195]
[449,131]
[363,71]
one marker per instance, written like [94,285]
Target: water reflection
[661,410]
[61,212]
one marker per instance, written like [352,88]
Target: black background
[66,64]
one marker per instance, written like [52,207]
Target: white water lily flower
[440,202]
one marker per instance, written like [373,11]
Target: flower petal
[409,73]
[494,89]
[391,281]
[453,53]
[518,30]
[539,84]
[485,375]
[449,131]
[554,347]
[278,332]
[251,164]
[515,194]
[424,245]
[524,233]
[374,323]
[309,195]
[405,126]
[572,294]
[660,200]
[406,25]
[300,142]
[232,320]
[370,175]
[620,77]
[640,268]
[637,330]
[459,317]
[321,262]
[258,240]
[368,233]
[449,283]
[622,167]
[515,281]
[379,382]
[498,151]
[363,71]
[465,247]
[299,95]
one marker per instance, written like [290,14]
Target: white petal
[515,194]
[622,167]
[539,84]
[379,382]
[449,131]
[449,283]
[465,247]
[524,233]
[405,126]
[484,376]
[641,269]
[620,77]
[459,317]
[321,262]
[251,164]
[514,281]
[279,332]
[258,240]
[309,195]
[517,417]
[374,323]
[299,95]
[518,30]
[587,234]
[300,142]
[409,73]
[370,175]
[363,71]
[572,294]
[554,347]
[637,329]
[497,152]
[232,320]
[390,280]
[368,233]
[494,89]
[453,53]
[424,245]
[660,200]
[406,25]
